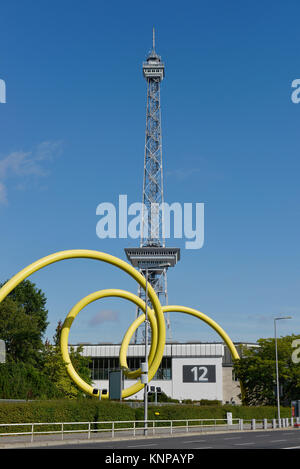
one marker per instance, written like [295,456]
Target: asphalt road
[278,439]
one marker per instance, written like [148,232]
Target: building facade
[187,371]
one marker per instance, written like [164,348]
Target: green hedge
[213,412]
[19,380]
[89,410]
[63,411]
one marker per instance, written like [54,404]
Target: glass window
[100,367]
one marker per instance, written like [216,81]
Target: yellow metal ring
[156,316]
[125,342]
[209,321]
[180,309]
[134,374]
[89,254]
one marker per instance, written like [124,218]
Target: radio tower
[152,258]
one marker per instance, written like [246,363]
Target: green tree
[54,367]
[23,321]
[257,371]
[34,369]
[25,381]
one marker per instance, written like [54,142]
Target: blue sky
[72,136]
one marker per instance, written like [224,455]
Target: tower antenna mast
[153,38]
[152,258]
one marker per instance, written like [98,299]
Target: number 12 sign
[199,373]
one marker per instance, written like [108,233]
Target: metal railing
[129,428]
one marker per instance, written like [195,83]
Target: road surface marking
[241,444]
[204,447]
[192,441]
[276,441]
[139,446]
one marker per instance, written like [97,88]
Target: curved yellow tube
[180,309]
[129,333]
[172,308]
[69,321]
[156,316]
[83,253]
[209,321]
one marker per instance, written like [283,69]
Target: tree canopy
[54,366]
[23,322]
[257,371]
[34,368]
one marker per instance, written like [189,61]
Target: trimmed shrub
[20,380]
[91,410]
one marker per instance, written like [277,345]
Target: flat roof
[170,350]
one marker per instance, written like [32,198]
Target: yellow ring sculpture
[101,256]
[179,309]
[133,374]
[156,316]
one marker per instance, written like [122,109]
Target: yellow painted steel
[126,339]
[69,321]
[100,256]
[180,309]
[209,321]
[156,316]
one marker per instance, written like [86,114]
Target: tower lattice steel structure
[152,258]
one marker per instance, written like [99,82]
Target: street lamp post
[276,363]
[146,359]
[160,266]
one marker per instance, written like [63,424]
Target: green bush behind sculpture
[89,410]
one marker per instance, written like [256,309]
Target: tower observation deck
[152,257]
